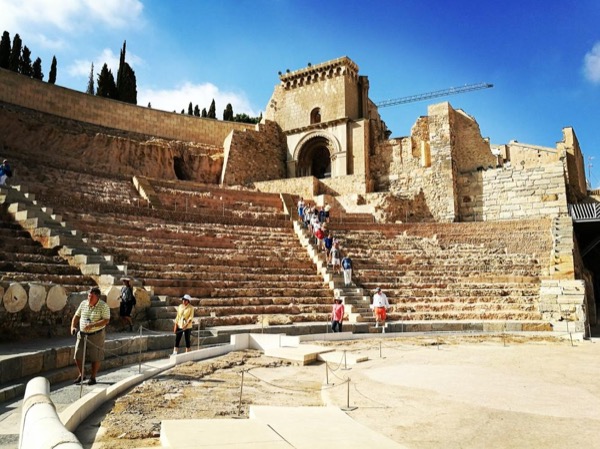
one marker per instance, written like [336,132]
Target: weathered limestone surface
[39,140]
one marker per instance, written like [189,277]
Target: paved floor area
[464,395]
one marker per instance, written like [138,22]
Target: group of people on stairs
[316,220]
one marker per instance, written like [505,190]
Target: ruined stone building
[322,138]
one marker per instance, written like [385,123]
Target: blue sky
[543,56]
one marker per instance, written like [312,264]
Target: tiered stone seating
[453,271]
[236,272]
[239,266]
[206,199]
[24,260]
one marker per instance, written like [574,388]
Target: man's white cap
[187,297]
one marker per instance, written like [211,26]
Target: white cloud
[68,15]
[199,94]
[115,13]
[591,64]
[81,67]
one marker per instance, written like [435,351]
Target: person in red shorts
[380,306]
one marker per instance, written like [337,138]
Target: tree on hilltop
[228,113]
[245,118]
[204,114]
[4,50]
[37,70]
[90,87]
[106,83]
[196,111]
[25,67]
[212,111]
[128,92]
[14,61]
[190,109]
[52,75]
[126,81]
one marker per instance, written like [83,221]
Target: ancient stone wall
[254,155]
[470,150]
[358,160]
[569,146]
[30,139]
[331,86]
[306,186]
[37,95]
[342,185]
[512,193]
[421,164]
[522,155]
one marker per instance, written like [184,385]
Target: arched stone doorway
[314,158]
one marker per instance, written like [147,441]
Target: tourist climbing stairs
[356,302]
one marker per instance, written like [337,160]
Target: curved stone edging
[40,425]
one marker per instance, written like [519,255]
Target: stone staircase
[356,301]
[51,231]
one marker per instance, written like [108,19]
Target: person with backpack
[347,267]
[127,302]
[335,259]
[5,172]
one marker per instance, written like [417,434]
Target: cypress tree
[212,113]
[128,91]
[228,113]
[5,50]
[190,109]
[196,111]
[204,114]
[37,70]
[14,61]
[25,67]
[121,70]
[106,83]
[90,87]
[52,75]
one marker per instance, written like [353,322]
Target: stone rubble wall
[306,186]
[254,155]
[37,95]
[514,193]
[470,150]
[562,303]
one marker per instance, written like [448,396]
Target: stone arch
[314,154]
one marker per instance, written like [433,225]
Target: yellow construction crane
[434,94]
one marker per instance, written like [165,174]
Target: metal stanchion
[140,352]
[345,362]
[326,374]
[198,337]
[380,350]
[83,365]
[348,408]
[241,391]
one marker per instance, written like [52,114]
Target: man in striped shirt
[90,320]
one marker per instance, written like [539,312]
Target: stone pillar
[291,168]
[339,164]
